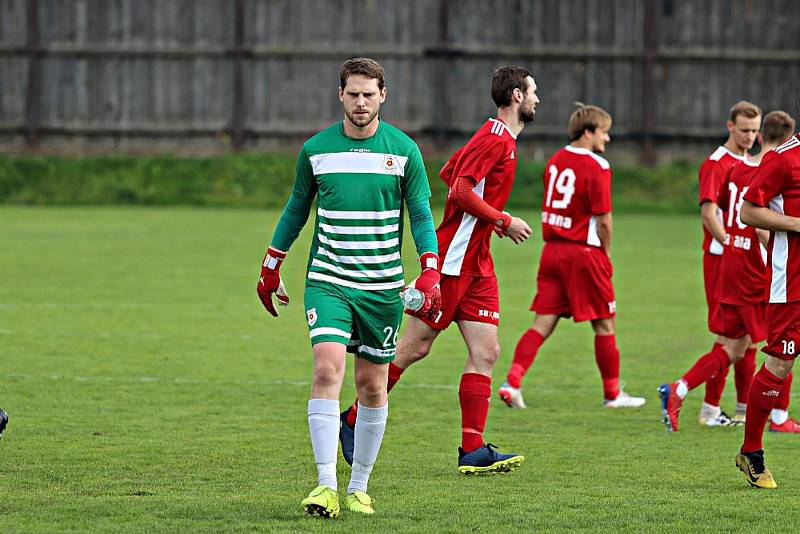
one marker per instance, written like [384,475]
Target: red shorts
[783,330]
[712,265]
[574,280]
[739,320]
[467,298]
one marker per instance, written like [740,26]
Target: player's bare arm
[766,219]
[708,213]
[604,230]
[763,237]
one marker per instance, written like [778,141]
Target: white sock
[779,416]
[323,424]
[370,425]
[711,411]
[682,388]
[741,407]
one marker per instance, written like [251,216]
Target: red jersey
[743,268]
[712,171]
[577,188]
[776,185]
[490,158]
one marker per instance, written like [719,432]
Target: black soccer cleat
[3,421]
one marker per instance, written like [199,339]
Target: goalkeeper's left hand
[428,283]
[270,281]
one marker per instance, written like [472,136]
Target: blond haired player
[743,123]
[574,278]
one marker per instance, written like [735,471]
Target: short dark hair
[505,80]
[363,66]
[746,109]
[587,117]
[778,127]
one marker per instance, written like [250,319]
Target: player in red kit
[773,203]
[741,289]
[743,123]
[575,271]
[480,176]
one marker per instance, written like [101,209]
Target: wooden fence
[210,74]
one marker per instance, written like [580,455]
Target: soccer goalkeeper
[360,170]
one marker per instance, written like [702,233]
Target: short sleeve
[305,186]
[479,158]
[600,193]
[768,182]
[709,182]
[415,179]
[446,172]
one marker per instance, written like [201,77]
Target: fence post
[237,120]
[441,108]
[650,57]
[33,92]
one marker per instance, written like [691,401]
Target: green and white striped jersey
[360,185]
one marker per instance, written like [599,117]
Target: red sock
[707,366]
[527,347]
[764,392]
[782,402]
[474,393]
[394,376]
[716,384]
[607,357]
[743,372]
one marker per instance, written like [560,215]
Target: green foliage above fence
[265,180]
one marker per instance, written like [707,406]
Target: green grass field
[149,391]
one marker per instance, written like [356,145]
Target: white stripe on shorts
[383,353]
[324,330]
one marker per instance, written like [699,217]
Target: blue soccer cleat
[347,437]
[486,460]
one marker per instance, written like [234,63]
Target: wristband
[273,259]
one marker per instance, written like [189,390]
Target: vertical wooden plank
[648,83]
[33,90]
[237,118]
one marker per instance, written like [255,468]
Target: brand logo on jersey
[771,393]
[312,316]
[388,163]
[512,155]
[489,314]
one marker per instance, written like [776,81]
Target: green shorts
[366,321]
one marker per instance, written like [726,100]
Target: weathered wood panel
[180,68]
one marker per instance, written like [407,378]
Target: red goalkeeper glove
[270,281]
[428,284]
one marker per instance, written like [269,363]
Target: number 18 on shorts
[366,321]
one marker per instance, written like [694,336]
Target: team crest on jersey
[389,163]
[312,316]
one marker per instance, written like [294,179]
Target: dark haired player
[480,176]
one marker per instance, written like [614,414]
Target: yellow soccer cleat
[360,502]
[755,470]
[322,501]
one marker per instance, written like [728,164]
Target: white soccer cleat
[721,420]
[511,396]
[624,400]
[709,413]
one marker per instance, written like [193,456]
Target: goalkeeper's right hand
[270,281]
[428,283]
